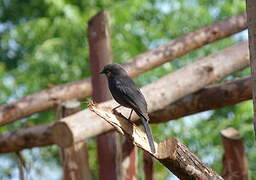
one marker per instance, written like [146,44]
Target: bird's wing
[133,95]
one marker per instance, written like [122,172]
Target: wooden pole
[251,19]
[171,153]
[46,99]
[35,136]
[148,166]
[209,98]
[129,160]
[101,55]
[235,166]
[75,157]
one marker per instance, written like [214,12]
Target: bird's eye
[108,73]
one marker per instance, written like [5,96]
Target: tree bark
[235,166]
[201,73]
[231,92]
[81,89]
[171,153]
[251,19]
[75,157]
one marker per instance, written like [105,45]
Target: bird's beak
[102,72]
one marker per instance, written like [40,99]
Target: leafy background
[44,43]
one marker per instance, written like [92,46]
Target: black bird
[125,92]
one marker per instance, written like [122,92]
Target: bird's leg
[116,108]
[129,119]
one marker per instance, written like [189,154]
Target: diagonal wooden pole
[171,153]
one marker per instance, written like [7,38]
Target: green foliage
[44,43]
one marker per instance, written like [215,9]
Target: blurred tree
[43,43]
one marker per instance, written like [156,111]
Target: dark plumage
[125,92]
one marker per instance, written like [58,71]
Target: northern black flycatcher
[126,93]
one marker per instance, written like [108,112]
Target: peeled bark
[171,153]
[81,89]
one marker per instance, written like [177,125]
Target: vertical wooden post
[129,160]
[75,157]
[235,165]
[251,21]
[148,166]
[100,55]
[21,165]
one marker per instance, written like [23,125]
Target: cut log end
[62,134]
[235,165]
[231,133]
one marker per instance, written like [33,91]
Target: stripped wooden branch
[171,153]
[231,92]
[81,89]
[235,166]
[209,98]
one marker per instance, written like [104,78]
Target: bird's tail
[148,132]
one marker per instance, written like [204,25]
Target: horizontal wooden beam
[209,98]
